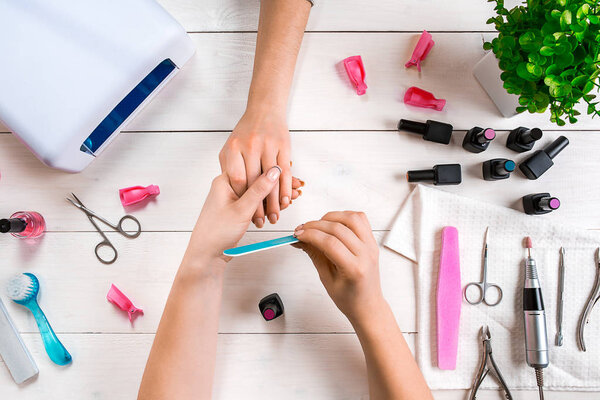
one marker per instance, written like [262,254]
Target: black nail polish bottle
[541,160]
[497,168]
[540,203]
[442,174]
[522,139]
[478,139]
[271,307]
[432,131]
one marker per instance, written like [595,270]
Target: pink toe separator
[356,72]
[421,98]
[119,299]
[135,194]
[423,47]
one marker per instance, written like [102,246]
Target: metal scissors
[484,368]
[118,227]
[483,286]
[594,297]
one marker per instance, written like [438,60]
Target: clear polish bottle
[24,225]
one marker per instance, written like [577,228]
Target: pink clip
[356,72]
[422,98]
[423,47]
[135,194]
[117,297]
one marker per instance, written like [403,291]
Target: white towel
[416,235]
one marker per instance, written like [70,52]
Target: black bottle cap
[12,225]
[504,167]
[432,131]
[421,175]
[556,147]
[485,136]
[530,135]
[412,126]
[548,203]
[271,306]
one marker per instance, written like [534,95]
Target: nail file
[260,246]
[449,298]
[13,351]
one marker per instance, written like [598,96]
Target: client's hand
[225,216]
[342,247]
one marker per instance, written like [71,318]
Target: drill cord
[539,377]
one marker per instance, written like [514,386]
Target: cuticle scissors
[483,286]
[118,227]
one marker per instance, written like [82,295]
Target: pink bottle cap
[356,72]
[135,194]
[119,299]
[421,50]
[421,98]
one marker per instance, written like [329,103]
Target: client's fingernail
[285,200]
[274,173]
[258,222]
[301,182]
[299,192]
[298,233]
[299,227]
[273,218]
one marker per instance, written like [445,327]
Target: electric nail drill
[541,160]
[432,131]
[271,306]
[442,174]
[536,336]
[497,169]
[540,203]
[478,139]
[522,139]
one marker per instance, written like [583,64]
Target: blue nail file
[260,246]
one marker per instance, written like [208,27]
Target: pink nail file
[449,299]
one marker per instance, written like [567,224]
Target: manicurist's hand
[225,216]
[346,256]
[260,139]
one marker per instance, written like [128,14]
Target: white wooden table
[345,147]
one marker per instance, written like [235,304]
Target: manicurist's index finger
[357,222]
[331,246]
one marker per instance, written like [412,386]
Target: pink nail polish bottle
[24,224]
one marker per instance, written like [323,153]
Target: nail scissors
[593,299]
[118,227]
[483,286]
[488,365]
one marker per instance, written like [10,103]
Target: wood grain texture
[339,15]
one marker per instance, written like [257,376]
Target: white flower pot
[487,72]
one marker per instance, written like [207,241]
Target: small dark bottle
[432,131]
[478,139]
[24,225]
[522,139]
[540,203]
[442,174]
[497,168]
[541,160]
[271,307]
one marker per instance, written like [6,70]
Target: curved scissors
[483,286]
[118,227]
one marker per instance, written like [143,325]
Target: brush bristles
[528,243]
[20,287]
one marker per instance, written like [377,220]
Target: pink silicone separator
[135,194]
[356,72]
[421,98]
[421,50]
[119,299]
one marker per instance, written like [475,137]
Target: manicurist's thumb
[259,190]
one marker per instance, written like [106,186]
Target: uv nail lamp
[74,73]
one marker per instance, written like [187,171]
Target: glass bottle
[24,224]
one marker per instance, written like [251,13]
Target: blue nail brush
[260,246]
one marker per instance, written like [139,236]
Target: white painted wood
[339,15]
[248,367]
[343,170]
[74,285]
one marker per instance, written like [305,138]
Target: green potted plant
[548,52]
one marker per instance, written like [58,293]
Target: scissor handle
[106,243]
[136,233]
[478,285]
[499,291]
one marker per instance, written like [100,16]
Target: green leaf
[580,80]
[588,87]
[555,14]
[487,46]
[547,51]
[583,11]
[560,122]
[564,60]
[521,109]
[566,19]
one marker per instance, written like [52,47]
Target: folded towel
[416,235]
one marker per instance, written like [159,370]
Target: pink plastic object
[117,297]
[423,47]
[356,72]
[449,298]
[421,98]
[135,194]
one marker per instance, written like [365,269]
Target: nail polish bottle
[522,139]
[271,307]
[24,224]
[442,174]
[541,160]
[432,131]
[540,203]
[478,139]
[497,168]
